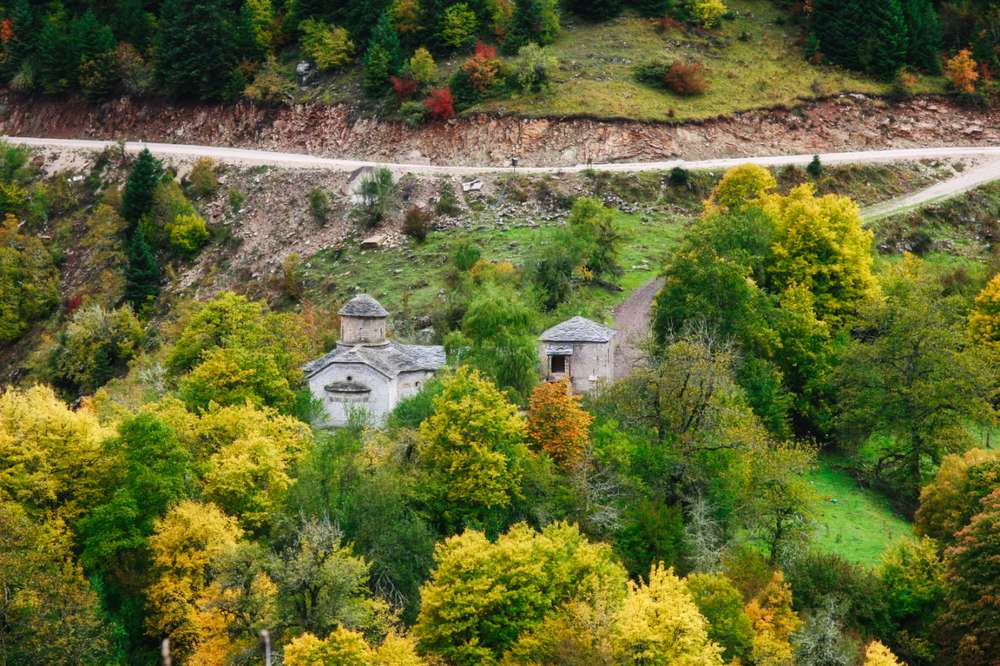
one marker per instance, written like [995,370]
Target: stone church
[367,373]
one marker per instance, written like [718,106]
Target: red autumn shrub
[404,88]
[482,67]
[686,78]
[440,103]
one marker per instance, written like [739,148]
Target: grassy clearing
[754,61]
[855,523]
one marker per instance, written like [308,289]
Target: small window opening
[558,364]
[349,378]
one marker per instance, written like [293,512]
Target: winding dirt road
[987,171]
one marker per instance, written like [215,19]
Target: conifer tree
[137,198]
[923,29]
[884,50]
[197,47]
[382,58]
[54,57]
[142,275]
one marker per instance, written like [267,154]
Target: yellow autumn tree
[344,647]
[183,546]
[472,446]
[51,457]
[774,621]
[820,245]
[557,424]
[740,187]
[877,654]
[659,624]
[984,320]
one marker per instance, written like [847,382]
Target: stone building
[578,349]
[367,372]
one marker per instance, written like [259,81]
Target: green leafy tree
[497,338]
[143,178]
[197,48]
[472,449]
[28,281]
[527,574]
[722,606]
[595,225]
[913,380]
[458,26]
[328,46]
[50,614]
[912,574]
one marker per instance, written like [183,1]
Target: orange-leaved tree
[557,423]
[962,71]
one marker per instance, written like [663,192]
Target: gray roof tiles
[363,305]
[578,329]
[390,359]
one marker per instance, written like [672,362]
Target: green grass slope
[853,522]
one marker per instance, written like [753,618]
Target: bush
[686,78]
[270,86]
[291,277]
[202,178]
[679,177]
[319,205]
[465,256]
[404,88]
[440,104]
[417,224]
[187,233]
[708,13]
[815,168]
[327,45]
[447,203]
[422,67]
[458,26]
[963,72]
[532,69]
[136,75]
[482,68]
[378,189]
[414,113]
[236,199]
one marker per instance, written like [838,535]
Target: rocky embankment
[850,122]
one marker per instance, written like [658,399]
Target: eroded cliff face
[843,123]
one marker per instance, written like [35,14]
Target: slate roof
[390,359]
[578,329]
[363,305]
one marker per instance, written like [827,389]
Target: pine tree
[534,21]
[55,59]
[884,50]
[835,26]
[197,43]
[382,58]
[923,29]
[596,10]
[91,39]
[137,197]
[142,275]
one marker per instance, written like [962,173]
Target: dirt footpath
[632,320]
[849,122]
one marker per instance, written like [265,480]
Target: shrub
[532,69]
[686,78]
[203,179]
[270,86]
[679,177]
[962,71]
[482,68]
[187,234]
[414,113]
[416,224]
[291,277]
[28,280]
[708,13]
[815,168]
[440,103]
[327,45]
[236,199]
[458,26]
[377,192]
[465,256]
[319,205]
[404,88]
[136,75]
[447,203]
[422,67]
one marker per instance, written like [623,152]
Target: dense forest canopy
[164,473]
